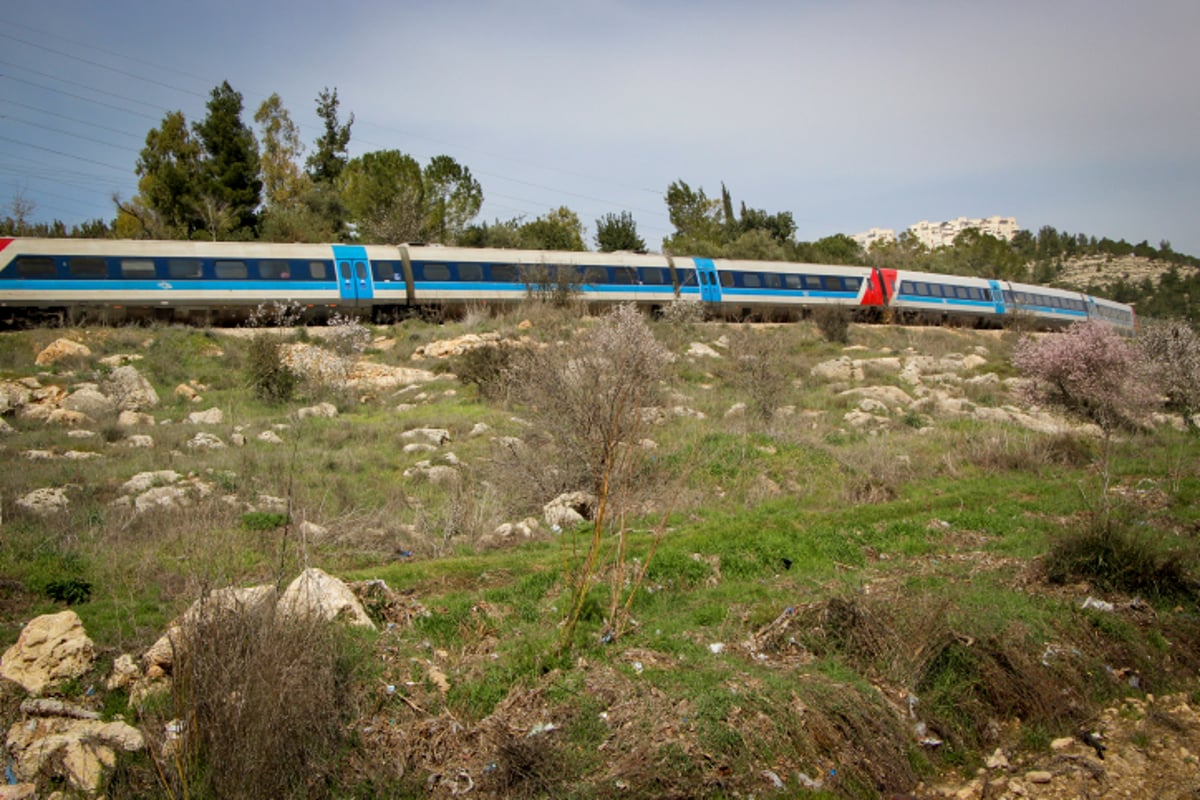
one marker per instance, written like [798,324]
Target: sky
[851,114]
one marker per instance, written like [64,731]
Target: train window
[470,272]
[921,289]
[230,270]
[751,280]
[179,269]
[792,281]
[772,280]
[935,290]
[318,270]
[595,275]
[832,283]
[386,270]
[88,268]
[687,277]
[624,275]
[655,276]
[137,268]
[961,293]
[504,273]
[35,267]
[726,279]
[274,270]
[852,283]
[812,281]
[435,272]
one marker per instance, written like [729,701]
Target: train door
[354,274]
[997,297]
[710,286]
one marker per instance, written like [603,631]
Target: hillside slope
[843,563]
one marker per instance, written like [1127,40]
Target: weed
[1119,558]
[834,323]
[263,520]
[259,700]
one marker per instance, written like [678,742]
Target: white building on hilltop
[940,234]
[865,240]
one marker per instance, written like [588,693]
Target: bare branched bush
[833,322]
[275,314]
[683,311]
[586,398]
[1173,349]
[258,700]
[559,286]
[347,336]
[757,357]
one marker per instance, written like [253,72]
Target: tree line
[218,178]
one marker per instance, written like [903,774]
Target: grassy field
[839,611]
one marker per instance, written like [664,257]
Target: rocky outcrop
[568,510]
[68,742]
[455,347]
[129,390]
[90,402]
[48,500]
[51,649]
[316,594]
[59,350]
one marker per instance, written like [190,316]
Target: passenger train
[103,280]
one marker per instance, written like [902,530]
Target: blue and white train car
[1049,308]
[77,279]
[931,297]
[778,290]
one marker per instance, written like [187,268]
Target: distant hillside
[1083,271]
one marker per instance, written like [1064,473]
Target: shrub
[682,311]
[267,376]
[1088,370]
[1173,349]
[258,700]
[484,368]
[757,356]
[834,323]
[587,399]
[347,336]
[1115,558]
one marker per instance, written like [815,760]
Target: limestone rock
[205,441]
[133,419]
[322,410]
[78,750]
[130,390]
[13,395]
[701,350]
[569,509]
[90,402]
[51,648]
[210,416]
[434,436]
[159,659]
[842,370]
[50,500]
[61,349]
[315,593]
[146,480]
